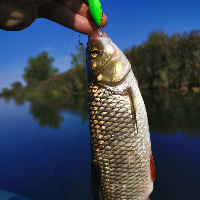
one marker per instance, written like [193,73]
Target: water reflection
[48,113]
[17,100]
[171,116]
[170,112]
[167,112]
[45,115]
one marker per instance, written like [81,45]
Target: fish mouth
[97,34]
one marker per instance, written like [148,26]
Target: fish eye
[94,52]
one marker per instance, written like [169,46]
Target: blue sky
[129,23]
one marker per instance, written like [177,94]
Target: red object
[152,168]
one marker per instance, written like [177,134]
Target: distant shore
[162,63]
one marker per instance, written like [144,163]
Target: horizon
[132,27]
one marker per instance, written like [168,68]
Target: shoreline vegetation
[161,63]
[169,113]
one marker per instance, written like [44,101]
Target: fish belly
[120,150]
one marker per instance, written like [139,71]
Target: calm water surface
[45,147]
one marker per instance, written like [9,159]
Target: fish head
[107,64]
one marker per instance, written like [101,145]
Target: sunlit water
[45,148]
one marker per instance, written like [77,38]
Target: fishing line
[66,49]
[51,166]
[79,42]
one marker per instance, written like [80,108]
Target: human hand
[19,14]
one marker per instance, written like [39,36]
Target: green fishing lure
[96,10]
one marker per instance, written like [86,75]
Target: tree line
[161,62]
[167,62]
[43,81]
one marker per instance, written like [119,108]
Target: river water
[45,147]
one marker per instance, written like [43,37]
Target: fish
[119,131]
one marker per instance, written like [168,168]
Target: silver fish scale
[118,149]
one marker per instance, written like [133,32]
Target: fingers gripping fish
[120,140]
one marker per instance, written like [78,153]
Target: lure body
[96,10]
[120,140]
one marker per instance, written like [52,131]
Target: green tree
[74,81]
[6,92]
[16,86]
[39,69]
[79,58]
[167,62]
[77,79]
[156,54]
